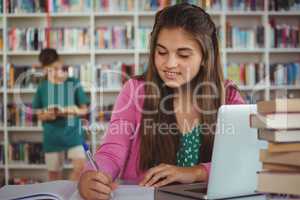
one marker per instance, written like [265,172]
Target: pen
[89,156]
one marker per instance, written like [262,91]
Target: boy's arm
[82,110]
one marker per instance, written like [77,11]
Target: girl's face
[177,57]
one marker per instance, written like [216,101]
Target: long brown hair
[161,147]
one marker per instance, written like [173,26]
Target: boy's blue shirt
[63,132]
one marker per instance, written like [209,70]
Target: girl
[162,126]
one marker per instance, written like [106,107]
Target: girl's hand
[165,174]
[95,185]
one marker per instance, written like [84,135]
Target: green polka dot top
[188,153]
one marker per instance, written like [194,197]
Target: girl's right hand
[96,186]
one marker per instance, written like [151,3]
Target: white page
[133,192]
[62,189]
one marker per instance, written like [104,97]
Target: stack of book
[278,122]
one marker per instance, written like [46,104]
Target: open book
[67,190]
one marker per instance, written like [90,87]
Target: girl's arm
[111,156]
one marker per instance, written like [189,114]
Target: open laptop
[235,158]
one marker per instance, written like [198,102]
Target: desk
[167,196]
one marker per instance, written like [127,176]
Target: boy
[59,103]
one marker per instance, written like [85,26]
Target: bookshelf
[139,21]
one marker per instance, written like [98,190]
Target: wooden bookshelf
[139,18]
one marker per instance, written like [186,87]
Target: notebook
[66,190]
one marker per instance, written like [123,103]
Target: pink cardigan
[118,154]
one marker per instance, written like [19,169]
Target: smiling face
[177,57]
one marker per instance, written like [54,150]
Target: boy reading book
[59,103]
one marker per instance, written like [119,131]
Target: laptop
[235,158]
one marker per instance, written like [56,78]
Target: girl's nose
[172,62]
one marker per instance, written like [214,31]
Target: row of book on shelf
[284,35]
[74,39]
[23,153]
[114,75]
[284,5]
[108,76]
[122,37]
[278,123]
[244,37]
[57,6]
[37,38]
[249,74]
[116,37]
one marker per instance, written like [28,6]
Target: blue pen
[89,156]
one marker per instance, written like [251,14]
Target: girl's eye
[184,56]
[162,53]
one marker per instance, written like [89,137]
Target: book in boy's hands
[55,108]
